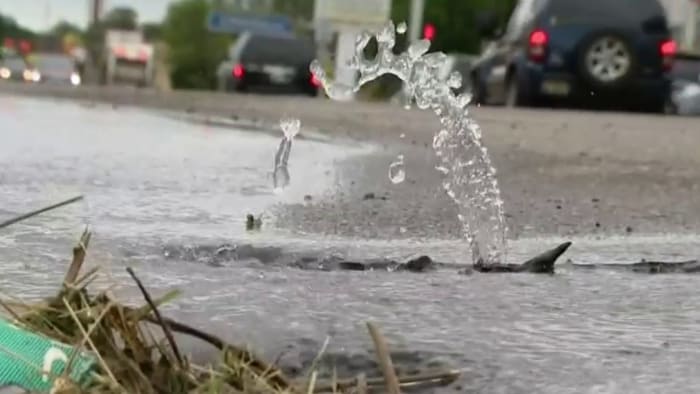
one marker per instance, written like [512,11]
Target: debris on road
[95,344]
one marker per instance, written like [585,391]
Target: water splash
[280,175]
[469,177]
[397,171]
[401,28]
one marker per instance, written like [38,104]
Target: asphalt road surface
[621,186]
[561,172]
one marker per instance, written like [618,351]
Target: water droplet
[387,34]
[418,48]
[454,80]
[442,170]
[397,173]
[401,28]
[280,173]
[317,69]
[469,176]
[464,99]
[290,127]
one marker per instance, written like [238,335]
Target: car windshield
[278,50]
[13,63]
[54,63]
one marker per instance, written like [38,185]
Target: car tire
[660,107]
[514,96]
[478,96]
[606,60]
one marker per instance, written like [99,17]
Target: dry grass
[132,360]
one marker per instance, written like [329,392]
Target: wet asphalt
[629,180]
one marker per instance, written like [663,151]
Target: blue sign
[271,25]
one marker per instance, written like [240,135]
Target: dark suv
[269,63]
[615,52]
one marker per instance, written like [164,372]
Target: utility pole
[416,19]
[690,28]
[47,14]
[96,8]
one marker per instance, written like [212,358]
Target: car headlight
[75,79]
[31,75]
[5,73]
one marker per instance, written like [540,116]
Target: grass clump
[134,350]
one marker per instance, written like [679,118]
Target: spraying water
[280,175]
[397,173]
[469,177]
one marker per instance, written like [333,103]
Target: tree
[121,18]
[455,21]
[66,35]
[64,28]
[10,29]
[194,52]
[152,31]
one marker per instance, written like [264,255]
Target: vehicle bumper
[561,86]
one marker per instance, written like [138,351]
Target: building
[684,18]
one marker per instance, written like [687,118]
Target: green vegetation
[10,28]
[454,20]
[193,52]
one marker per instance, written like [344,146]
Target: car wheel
[478,96]
[514,96]
[661,107]
[607,60]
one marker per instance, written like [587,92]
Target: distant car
[609,52]
[266,63]
[12,68]
[53,68]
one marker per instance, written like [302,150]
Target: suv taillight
[537,45]
[315,82]
[668,49]
[238,71]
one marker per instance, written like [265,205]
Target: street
[170,195]
[561,172]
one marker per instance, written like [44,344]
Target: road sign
[365,13]
[224,23]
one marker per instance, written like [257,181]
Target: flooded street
[157,188]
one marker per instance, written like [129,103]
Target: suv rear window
[277,49]
[628,10]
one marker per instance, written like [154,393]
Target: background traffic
[631,55]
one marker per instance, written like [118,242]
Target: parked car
[593,51]
[53,68]
[12,68]
[268,63]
